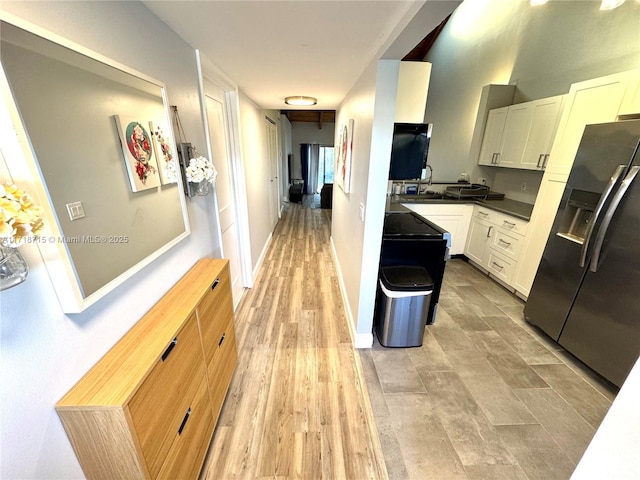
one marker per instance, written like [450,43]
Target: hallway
[297,406]
[486,397]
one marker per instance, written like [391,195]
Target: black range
[409,239]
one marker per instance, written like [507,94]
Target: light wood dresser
[148,408]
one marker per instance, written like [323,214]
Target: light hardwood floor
[297,406]
[487,396]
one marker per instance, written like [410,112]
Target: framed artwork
[164,153]
[137,148]
[344,155]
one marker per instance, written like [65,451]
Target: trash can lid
[406,278]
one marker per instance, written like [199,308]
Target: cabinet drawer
[158,406]
[506,244]
[214,312]
[501,220]
[187,453]
[221,368]
[501,267]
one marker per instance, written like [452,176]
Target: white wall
[371,104]
[308,132]
[257,176]
[543,50]
[43,352]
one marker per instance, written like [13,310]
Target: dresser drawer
[506,244]
[221,368]
[158,406]
[214,312]
[187,453]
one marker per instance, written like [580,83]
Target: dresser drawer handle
[497,265]
[184,421]
[509,224]
[215,284]
[504,243]
[166,353]
[222,339]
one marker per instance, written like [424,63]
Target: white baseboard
[262,255]
[359,340]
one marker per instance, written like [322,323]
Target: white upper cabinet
[514,138]
[492,140]
[592,101]
[631,102]
[545,116]
[521,135]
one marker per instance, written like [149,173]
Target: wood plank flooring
[297,406]
[487,396]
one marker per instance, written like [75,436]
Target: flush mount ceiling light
[610,4]
[301,101]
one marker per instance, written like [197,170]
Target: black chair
[326,196]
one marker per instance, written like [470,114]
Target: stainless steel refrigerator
[586,294]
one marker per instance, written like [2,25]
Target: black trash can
[403,305]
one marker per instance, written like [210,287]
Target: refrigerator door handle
[606,220]
[596,213]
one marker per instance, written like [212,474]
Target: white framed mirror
[65,110]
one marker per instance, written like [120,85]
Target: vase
[202,188]
[13,267]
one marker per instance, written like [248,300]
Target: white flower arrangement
[20,218]
[200,169]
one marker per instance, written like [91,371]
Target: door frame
[231,119]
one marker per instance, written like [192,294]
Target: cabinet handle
[509,224]
[166,353]
[546,159]
[184,421]
[489,231]
[493,159]
[497,265]
[498,158]
[504,243]
[215,284]
[221,340]
[540,157]
[484,214]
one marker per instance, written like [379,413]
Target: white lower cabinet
[454,218]
[494,242]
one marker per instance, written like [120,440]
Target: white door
[224,189]
[274,184]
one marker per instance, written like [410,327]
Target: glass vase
[201,188]
[13,267]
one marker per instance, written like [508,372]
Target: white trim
[207,137]
[215,76]
[232,103]
[22,166]
[359,340]
[263,254]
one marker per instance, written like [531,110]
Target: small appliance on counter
[472,191]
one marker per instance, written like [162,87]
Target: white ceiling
[274,49]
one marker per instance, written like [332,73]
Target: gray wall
[308,132]
[43,352]
[542,49]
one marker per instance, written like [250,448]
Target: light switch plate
[75,210]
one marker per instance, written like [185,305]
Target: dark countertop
[510,207]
